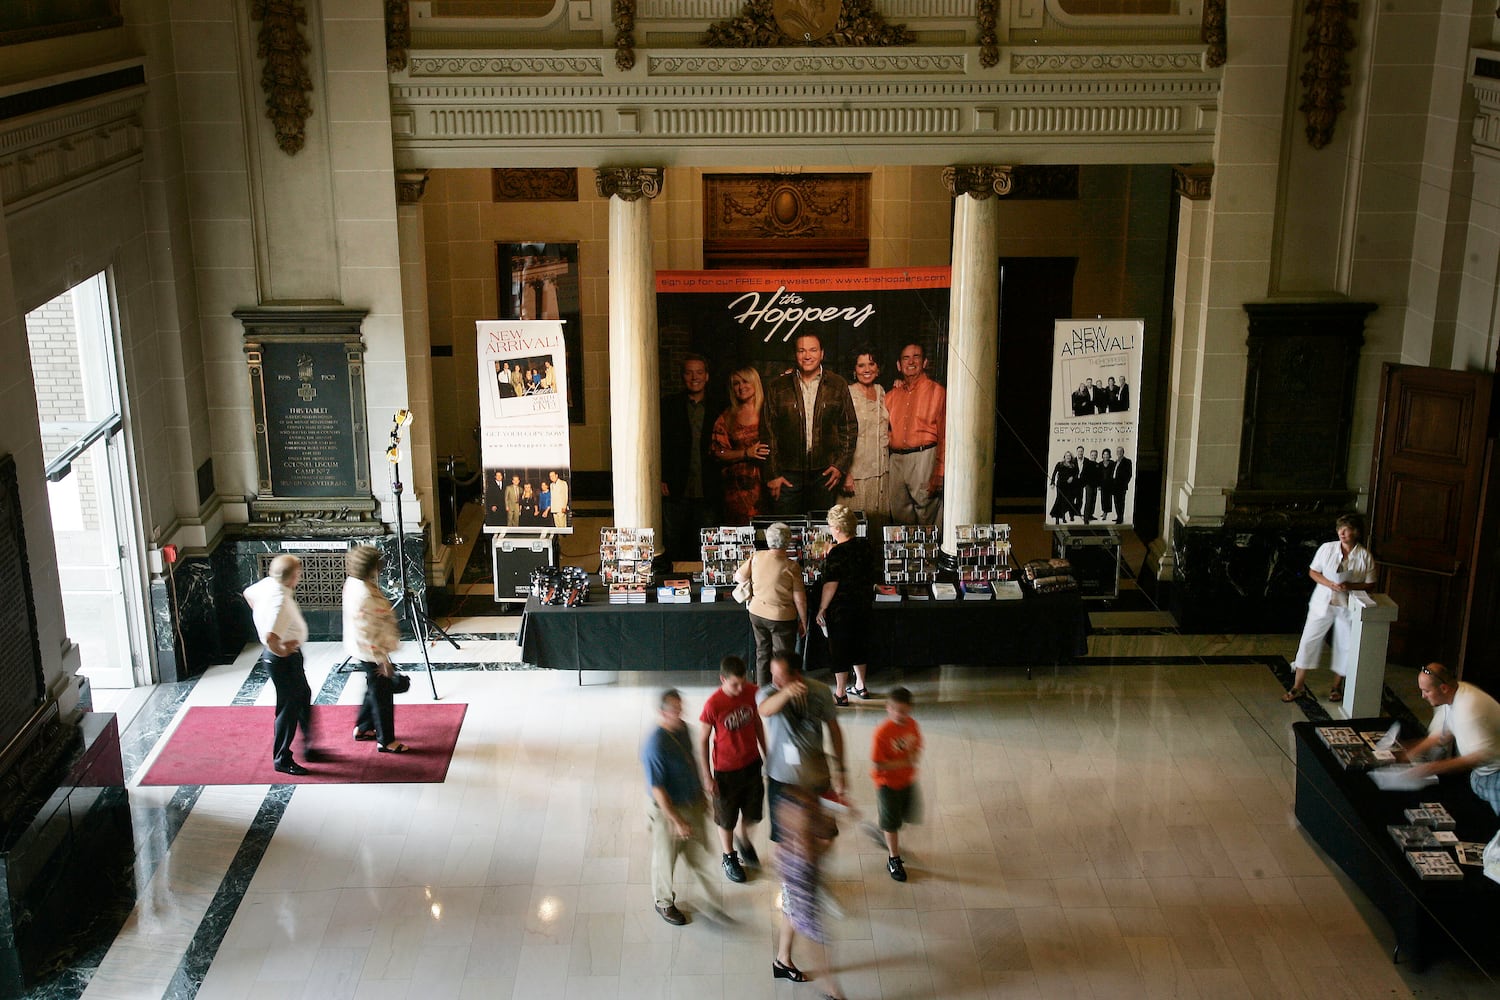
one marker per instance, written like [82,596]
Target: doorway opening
[75,368]
[1035,292]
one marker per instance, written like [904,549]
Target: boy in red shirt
[898,743]
[731,772]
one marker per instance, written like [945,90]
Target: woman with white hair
[778,599]
[370,637]
[282,630]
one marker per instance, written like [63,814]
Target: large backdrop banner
[754,317]
[523,425]
[1096,374]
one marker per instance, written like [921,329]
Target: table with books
[1412,852]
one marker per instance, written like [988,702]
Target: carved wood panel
[786,218]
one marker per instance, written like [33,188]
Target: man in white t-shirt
[1468,720]
[282,629]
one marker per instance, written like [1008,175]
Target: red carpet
[232,746]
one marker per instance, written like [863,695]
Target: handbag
[744,589]
[400,683]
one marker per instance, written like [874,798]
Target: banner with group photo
[1096,375]
[523,425]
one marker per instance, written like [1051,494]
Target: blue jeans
[1487,787]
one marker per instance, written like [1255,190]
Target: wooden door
[1035,292]
[1426,496]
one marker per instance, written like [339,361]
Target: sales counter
[1041,630]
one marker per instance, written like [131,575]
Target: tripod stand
[409,605]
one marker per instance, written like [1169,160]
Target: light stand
[409,604]
[454,537]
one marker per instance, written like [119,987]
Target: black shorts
[741,793]
[897,805]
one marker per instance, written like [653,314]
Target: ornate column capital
[1193,181]
[410,186]
[628,183]
[979,182]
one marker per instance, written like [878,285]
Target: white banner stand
[1369,636]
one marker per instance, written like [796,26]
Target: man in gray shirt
[795,709]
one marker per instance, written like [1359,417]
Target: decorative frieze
[628,183]
[779,63]
[719,10]
[805,120]
[989,39]
[977,181]
[1484,77]
[1095,120]
[491,66]
[1178,61]
[498,122]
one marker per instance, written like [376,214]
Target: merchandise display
[1435,865]
[1354,750]
[911,553]
[1433,814]
[982,556]
[1049,576]
[565,585]
[625,556]
[675,592]
[723,550]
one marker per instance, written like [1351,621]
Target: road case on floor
[514,557]
[1095,555]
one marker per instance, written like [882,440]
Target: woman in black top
[1065,483]
[848,592]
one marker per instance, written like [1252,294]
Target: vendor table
[1347,815]
[1043,630]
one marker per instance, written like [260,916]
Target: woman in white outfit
[869,473]
[1337,568]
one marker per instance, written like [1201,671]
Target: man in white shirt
[282,630]
[1467,720]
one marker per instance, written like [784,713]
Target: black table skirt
[1347,816]
[1040,630]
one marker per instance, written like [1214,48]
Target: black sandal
[791,972]
[365,736]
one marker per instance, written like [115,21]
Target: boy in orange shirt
[898,744]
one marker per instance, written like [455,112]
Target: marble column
[421,438]
[634,410]
[1193,187]
[973,347]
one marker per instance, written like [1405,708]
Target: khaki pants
[666,848]
[910,501]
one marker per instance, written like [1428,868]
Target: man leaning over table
[1466,720]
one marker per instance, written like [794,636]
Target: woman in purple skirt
[805,832]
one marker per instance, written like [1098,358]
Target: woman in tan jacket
[778,601]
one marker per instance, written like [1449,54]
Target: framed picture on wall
[539,280]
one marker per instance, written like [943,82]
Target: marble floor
[1121,827]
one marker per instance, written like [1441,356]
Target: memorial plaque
[21,676]
[309,421]
[307,388]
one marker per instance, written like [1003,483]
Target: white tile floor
[1097,832]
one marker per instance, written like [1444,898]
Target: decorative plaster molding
[768,23]
[1195,182]
[1326,73]
[781,63]
[721,10]
[477,65]
[1214,33]
[541,184]
[624,21]
[285,78]
[397,34]
[628,183]
[48,156]
[1484,77]
[410,186]
[978,182]
[805,120]
[1095,120]
[989,40]
[1181,61]
[498,122]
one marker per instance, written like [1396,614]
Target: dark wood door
[1035,292]
[1426,497]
